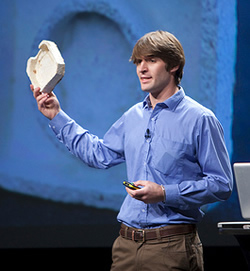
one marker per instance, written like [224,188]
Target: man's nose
[143,67]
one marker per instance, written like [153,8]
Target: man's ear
[174,69]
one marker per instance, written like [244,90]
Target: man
[174,151]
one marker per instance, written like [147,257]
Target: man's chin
[145,89]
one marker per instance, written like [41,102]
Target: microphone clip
[147,134]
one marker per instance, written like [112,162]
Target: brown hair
[164,45]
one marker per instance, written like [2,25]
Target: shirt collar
[170,103]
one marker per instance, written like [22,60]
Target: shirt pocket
[167,156]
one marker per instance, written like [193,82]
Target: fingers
[36,91]
[149,193]
[131,193]
[141,183]
[137,194]
[39,96]
[41,99]
[47,103]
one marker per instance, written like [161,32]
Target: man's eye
[152,60]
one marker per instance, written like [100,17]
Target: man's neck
[162,96]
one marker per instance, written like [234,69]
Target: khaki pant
[179,252]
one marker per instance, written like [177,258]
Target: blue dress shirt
[180,144]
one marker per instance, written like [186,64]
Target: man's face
[152,74]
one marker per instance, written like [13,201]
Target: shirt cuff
[172,195]
[59,121]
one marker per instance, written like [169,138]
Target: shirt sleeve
[216,181]
[86,146]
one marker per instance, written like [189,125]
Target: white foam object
[47,68]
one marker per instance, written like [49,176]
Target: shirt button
[143,210]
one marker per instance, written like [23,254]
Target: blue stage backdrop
[96,38]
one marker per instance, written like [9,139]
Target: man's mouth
[145,79]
